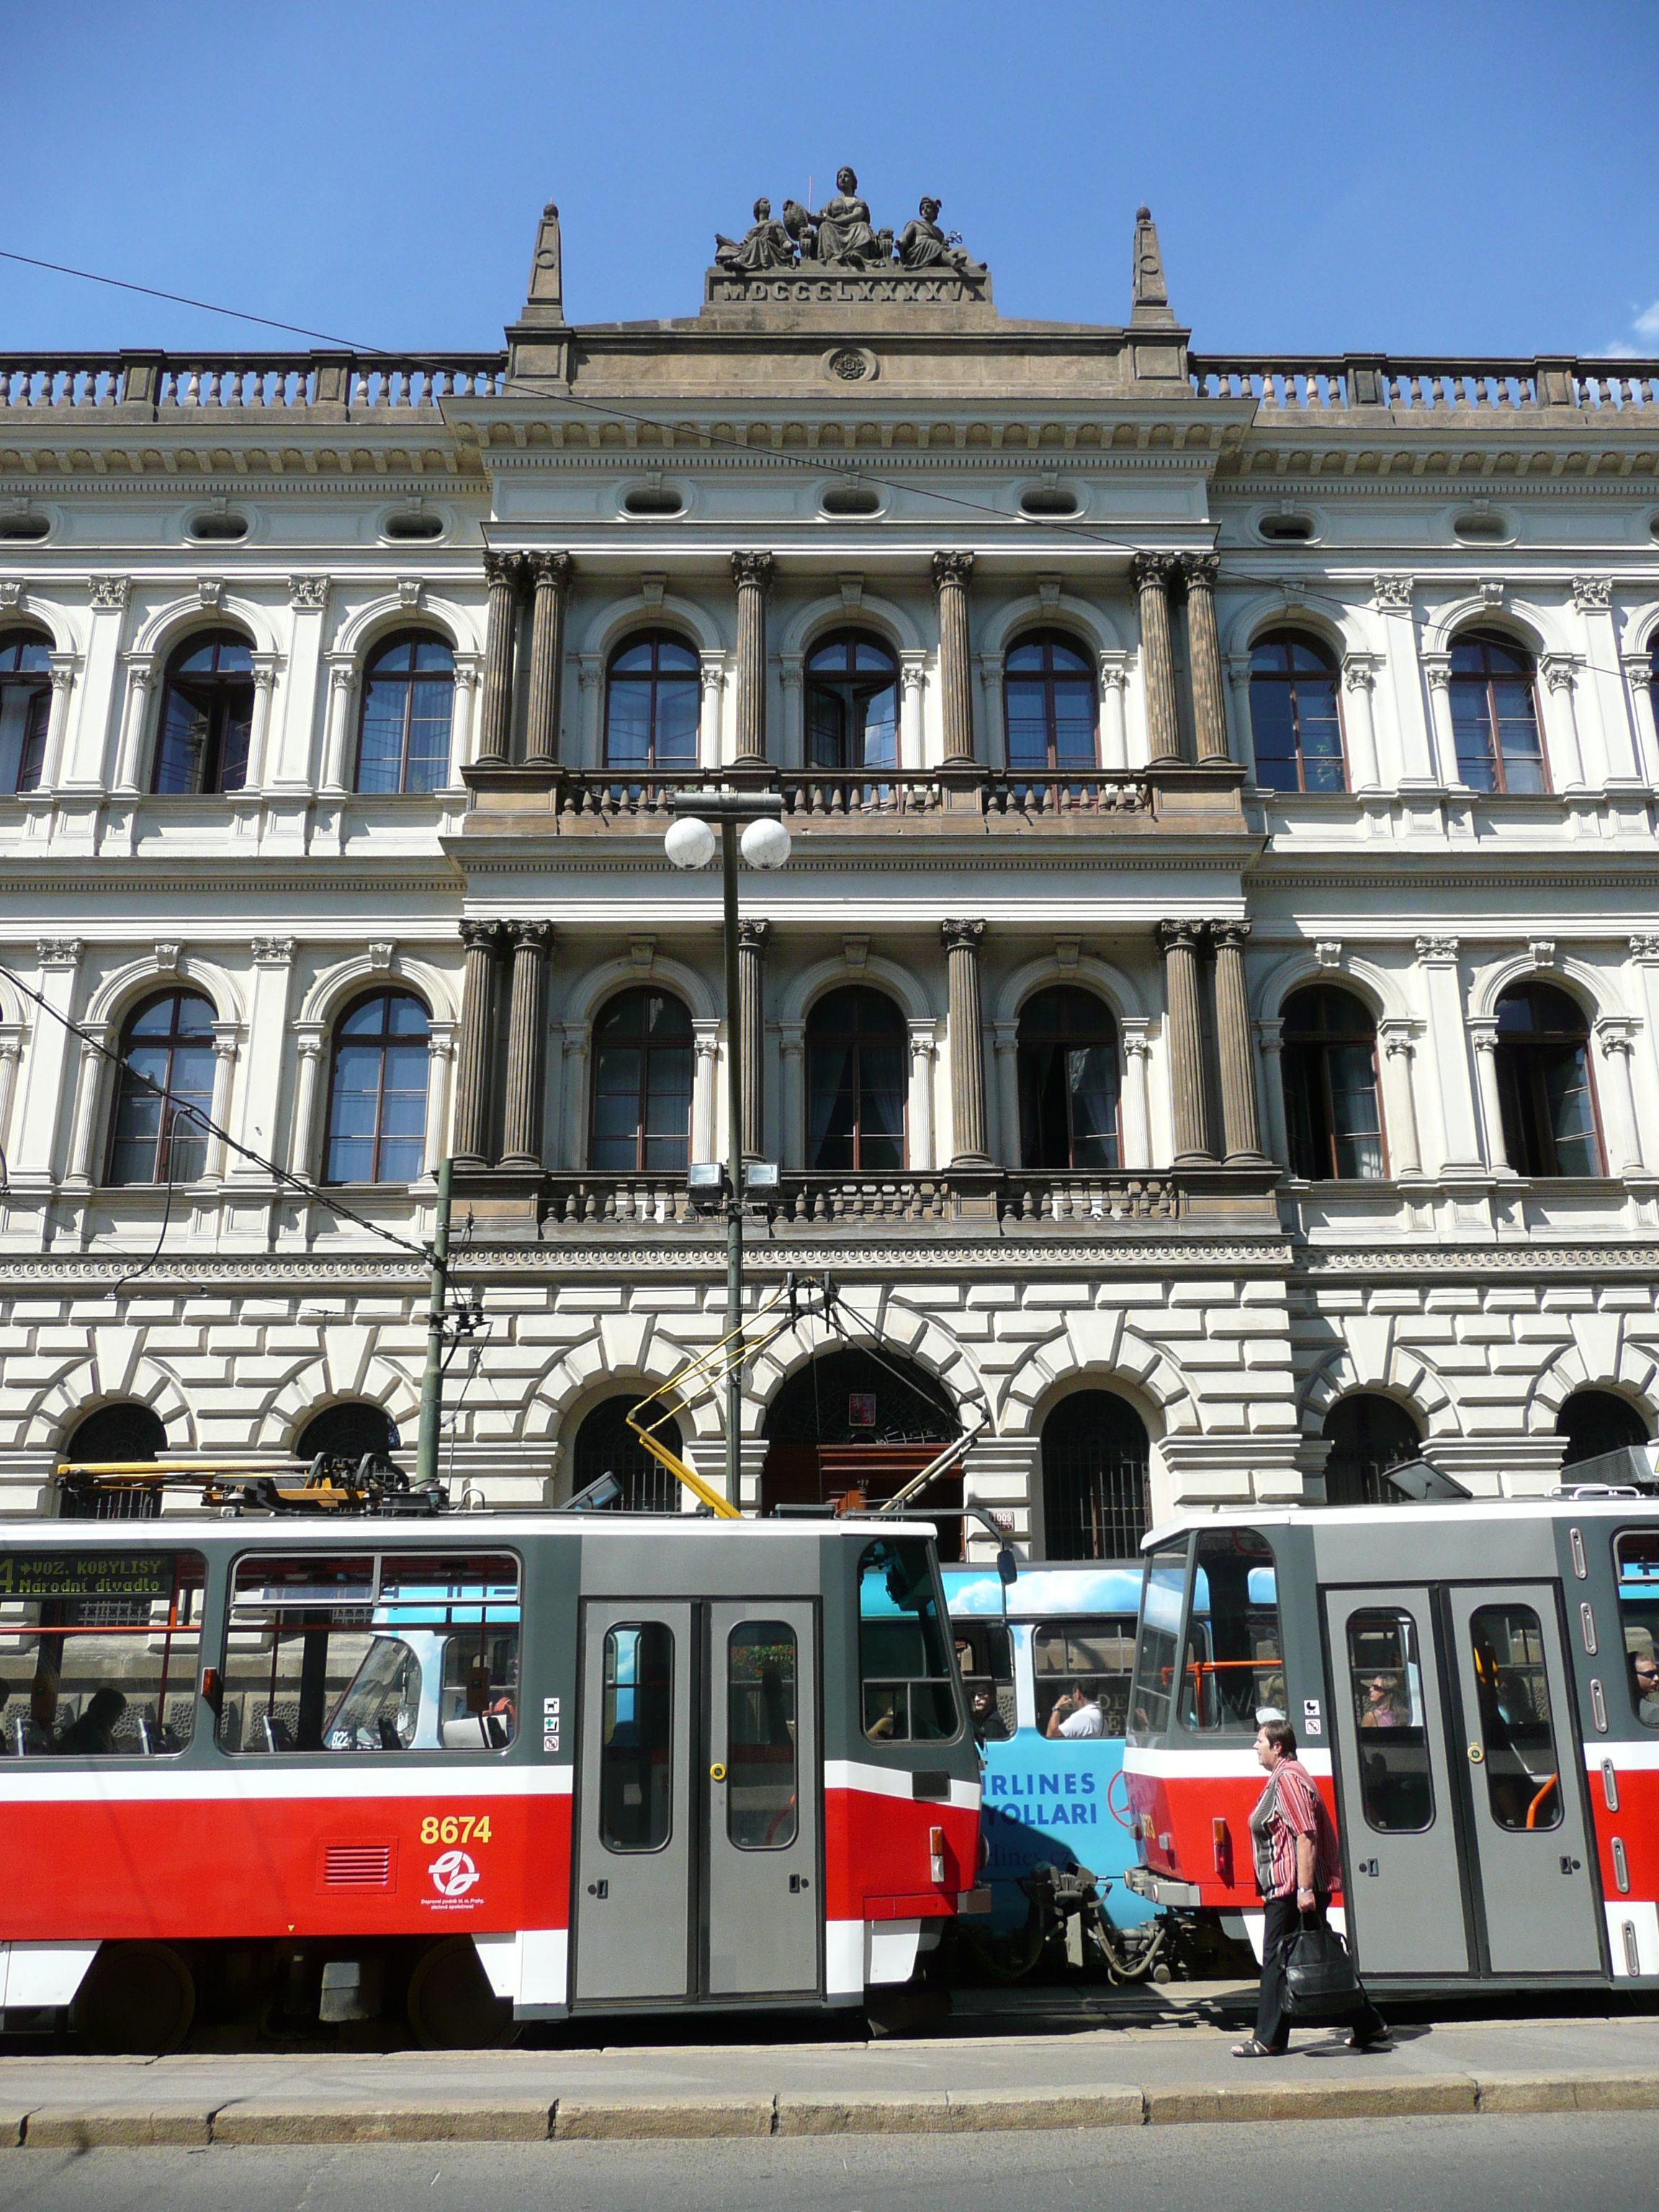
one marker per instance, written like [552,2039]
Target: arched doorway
[348,1431]
[1094,1457]
[852,1421]
[1368,1434]
[115,1436]
[606,1445]
[1597,1421]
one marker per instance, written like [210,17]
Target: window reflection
[762,1810]
[636,1739]
[1385,1688]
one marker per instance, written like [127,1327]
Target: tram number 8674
[455,1828]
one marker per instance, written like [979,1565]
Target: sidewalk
[1098,2076]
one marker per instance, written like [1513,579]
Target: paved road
[1569,2163]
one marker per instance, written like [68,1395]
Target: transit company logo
[454,1874]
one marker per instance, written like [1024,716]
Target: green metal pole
[734,1171]
[431,1382]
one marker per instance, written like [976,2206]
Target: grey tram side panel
[764,1904]
[1404,1897]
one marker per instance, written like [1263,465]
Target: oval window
[1049,500]
[412,529]
[851,499]
[218,529]
[1284,529]
[27,528]
[1481,529]
[652,499]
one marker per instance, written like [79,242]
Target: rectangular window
[1523,1785]
[985,1656]
[636,1738]
[909,1683]
[1160,1639]
[356,1652]
[1082,1670]
[1636,1557]
[1233,1661]
[98,1652]
[762,1794]
[1385,1684]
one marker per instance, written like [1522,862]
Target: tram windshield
[98,1652]
[909,1683]
[1637,1556]
[1234,1663]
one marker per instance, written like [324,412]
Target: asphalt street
[1563,2162]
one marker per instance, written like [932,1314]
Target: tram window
[909,1685]
[636,1738]
[985,1661]
[328,1652]
[1155,1654]
[1233,1661]
[98,1652]
[762,1797]
[1385,1681]
[1517,1734]
[1636,1554]
[1088,1664]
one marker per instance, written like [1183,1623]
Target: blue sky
[1434,177]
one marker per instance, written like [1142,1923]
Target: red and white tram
[497,1766]
[1472,1686]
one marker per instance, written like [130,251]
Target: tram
[1470,1683]
[495,1767]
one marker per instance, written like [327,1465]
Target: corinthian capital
[955,568]
[752,934]
[754,569]
[1231,934]
[504,569]
[1155,569]
[480,936]
[961,936]
[539,934]
[1201,568]
[551,569]
[1180,936]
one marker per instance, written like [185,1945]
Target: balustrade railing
[369,384]
[1075,1200]
[1309,383]
[1061,792]
[815,796]
[1021,1199]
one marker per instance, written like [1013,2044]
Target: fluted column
[473,1073]
[1151,574]
[953,573]
[1240,1115]
[1270,1035]
[1613,1034]
[1560,675]
[1180,941]
[967,1043]
[1204,645]
[752,952]
[86,1111]
[141,676]
[522,1121]
[1484,1036]
[308,1050]
[341,673]
[1238,677]
[64,666]
[552,575]
[503,571]
[1359,681]
[264,682]
[752,574]
[1399,1101]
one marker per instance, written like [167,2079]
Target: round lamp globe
[765,843]
[690,843]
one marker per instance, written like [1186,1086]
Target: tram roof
[1437,1514]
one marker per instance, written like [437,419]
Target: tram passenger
[1644,1687]
[95,1732]
[1384,1701]
[1296,1864]
[1077,1713]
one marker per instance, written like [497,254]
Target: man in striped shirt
[1297,1867]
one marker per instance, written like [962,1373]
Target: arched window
[348,1430]
[1330,1087]
[115,1436]
[166,1065]
[641,1113]
[650,704]
[207,711]
[606,1445]
[852,703]
[1068,1081]
[1368,1434]
[1049,695]
[377,1091]
[1596,1421]
[1294,716]
[1494,713]
[1095,1457]
[25,709]
[1544,1083]
[409,697]
[855,1082]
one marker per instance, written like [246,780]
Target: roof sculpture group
[840,235]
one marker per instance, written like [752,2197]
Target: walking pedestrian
[1294,1841]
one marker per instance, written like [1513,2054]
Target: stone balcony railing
[151,387]
[1314,382]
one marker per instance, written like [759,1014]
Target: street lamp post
[690,843]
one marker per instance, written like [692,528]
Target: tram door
[698,1839]
[1404,1900]
[1524,1763]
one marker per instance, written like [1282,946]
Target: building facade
[1207,1024]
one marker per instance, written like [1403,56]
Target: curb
[701,2119]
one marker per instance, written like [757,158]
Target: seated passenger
[1384,1706]
[1076,1713]
[95,1732]
[1644,1687]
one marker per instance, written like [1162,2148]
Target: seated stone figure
[843,228]
[923,245]
[765,244]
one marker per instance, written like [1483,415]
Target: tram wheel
[136,1997]
[451,2006]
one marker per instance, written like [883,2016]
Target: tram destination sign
[30,1575]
